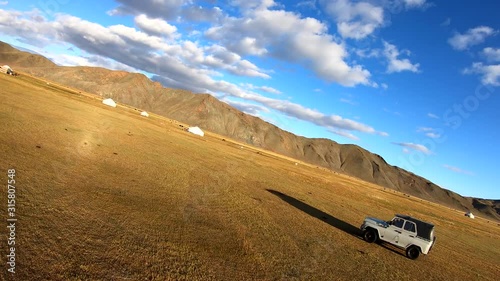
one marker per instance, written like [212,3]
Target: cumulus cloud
[432,115]
[415,3]
[446,22]
[490,73]
[167,9]
[414,146]
[344,134]
[286,36]
[348,101]
[471,37]
[266,89]
[179,10]
[249,108]
[354,20]
[155,26]
[429,132]
[396,64]
[95,61]
[270,90]
[492,54]
[458,170]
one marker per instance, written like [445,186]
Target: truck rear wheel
[370,235]
[412,252]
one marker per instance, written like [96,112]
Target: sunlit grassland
[106,194]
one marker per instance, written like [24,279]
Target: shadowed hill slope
[209,113]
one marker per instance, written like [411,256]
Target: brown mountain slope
[209,113]
[10,55]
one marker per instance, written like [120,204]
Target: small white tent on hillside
[109,102]
[196,131]
[145,114]
[469,214]
[6,69]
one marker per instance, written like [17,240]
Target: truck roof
[424,229]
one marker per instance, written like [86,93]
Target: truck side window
[409,226]
[397,222]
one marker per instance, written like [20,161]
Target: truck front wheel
[370,235]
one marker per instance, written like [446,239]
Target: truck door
[408,234]
[394,231]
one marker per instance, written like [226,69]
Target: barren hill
[209,113]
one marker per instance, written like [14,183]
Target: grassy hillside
[208,112]
[105,194]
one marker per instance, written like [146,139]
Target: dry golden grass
[105,194]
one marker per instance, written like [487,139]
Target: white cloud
[492,54]
[354,20]
[414,146]
[95,61]
[249,108]
[282,35]
[490,73]
[266,89]
[348,101]
[458,170]
[432,115]
[415,3]
[179,10]
[425,129]
[155,26]
[433,135]
[167,9]
[3,3]
[269,90]
[394,63]
[344,134]
[473,36]
[446,22]
[429,132]
[310,4]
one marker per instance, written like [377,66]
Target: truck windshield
[398,222]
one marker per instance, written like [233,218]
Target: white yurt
[196,131]
[109,102]
[145,114]
[469,214]
[6,69]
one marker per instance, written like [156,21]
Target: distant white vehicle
[405,232]
[469,214]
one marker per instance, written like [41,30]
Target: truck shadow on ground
[327,218]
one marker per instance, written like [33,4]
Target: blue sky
[415,81]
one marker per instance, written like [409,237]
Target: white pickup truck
[411,234]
